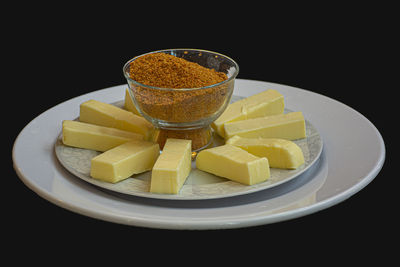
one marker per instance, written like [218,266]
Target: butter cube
[172,167]
[233,163]
[124,160]
[128,103]
[99,113]
[95,137]
[281,153]
[269,102]
[290,126]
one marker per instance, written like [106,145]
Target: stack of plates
[343,153]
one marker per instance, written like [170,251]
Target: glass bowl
[185,112]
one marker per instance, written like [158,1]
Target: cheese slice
[172,167]
[233,163]
[99,113]
[281,153]
[124,160]
[95,137]
[269,102]
[129,105]
[290,126]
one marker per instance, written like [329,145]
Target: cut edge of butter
[269,102]
[233,163]
[128,103]
[172,167]
[123,161]
[94,137]
[290,126]
[281,153]
[104,114]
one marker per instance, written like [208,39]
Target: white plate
[353,155]
[199,184]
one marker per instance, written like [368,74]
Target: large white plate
[353,155]
[199,184]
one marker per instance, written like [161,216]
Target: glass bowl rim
[124,69]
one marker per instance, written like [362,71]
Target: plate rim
[206,223]
[239,222]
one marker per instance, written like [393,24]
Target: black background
[55,53]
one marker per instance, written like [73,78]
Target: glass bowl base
[201,137]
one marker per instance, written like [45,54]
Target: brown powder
[167,71]
[196,108]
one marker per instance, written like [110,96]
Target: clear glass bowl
[185,112]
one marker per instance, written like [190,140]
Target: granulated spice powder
[167,71]
[177,101]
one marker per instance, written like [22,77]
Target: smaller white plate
[199,184]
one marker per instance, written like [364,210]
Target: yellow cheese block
[129,105]
[95,137]
[269,102]
[124,160]
[99,113]
[281,153]
[172,167]
[233,163]
[290,126]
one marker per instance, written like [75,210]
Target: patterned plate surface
[199,184]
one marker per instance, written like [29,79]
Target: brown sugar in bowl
[181,89]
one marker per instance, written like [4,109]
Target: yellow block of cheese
[124,160]
[233,163]
[95,137]
[269,102]
[99,113]
[129,105]
[281,153]
[172,167]
[290,126]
